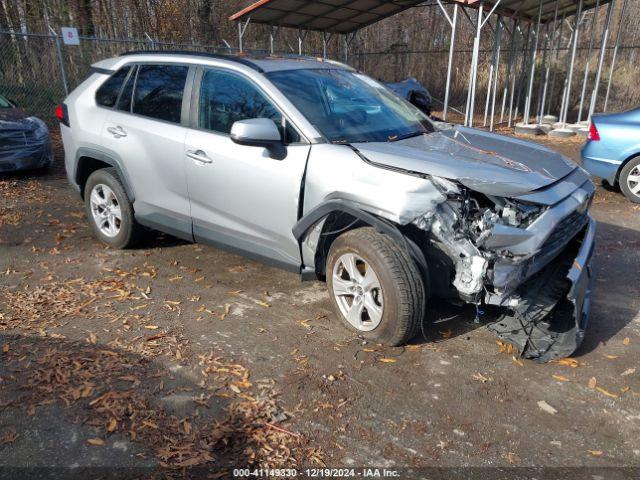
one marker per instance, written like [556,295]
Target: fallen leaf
[97,442]
[264,304]
[610,357]
[595,453]
[517,361]
[628,371]
[561,378]
[592,382]
[626,341]
[5,348]
[93,338]
[546,407]
[388,360]
[151,327]
[569,362]
[446,334]
[113,424]
[478,376]
[607,393]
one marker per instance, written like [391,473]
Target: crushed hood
[485,162]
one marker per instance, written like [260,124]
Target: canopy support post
[588,62]
[510,62]
[241,29]
[532,71]
[495,54]
[576,33]
[272,38]
[615,54]
[603,49]
[453,23]
[471,94]
[556,56]
[499,27]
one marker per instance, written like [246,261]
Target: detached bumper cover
[550,318]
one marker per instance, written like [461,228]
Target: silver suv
[316,168]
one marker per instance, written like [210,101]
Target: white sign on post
[70,36]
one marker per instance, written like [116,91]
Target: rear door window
[158,91]
[108,92]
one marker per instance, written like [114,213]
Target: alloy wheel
[633,181]
[357,292]
[105,210]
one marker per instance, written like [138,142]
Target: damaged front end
[529,256]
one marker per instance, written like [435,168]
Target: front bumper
[27,157]
[551,309]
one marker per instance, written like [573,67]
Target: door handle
[198,156]
[117,132]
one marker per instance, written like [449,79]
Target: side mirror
[259,132]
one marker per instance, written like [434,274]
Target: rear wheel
[109,210]
[375,286]
[630,180]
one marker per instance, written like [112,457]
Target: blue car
[612,151]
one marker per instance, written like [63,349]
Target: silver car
[319,169]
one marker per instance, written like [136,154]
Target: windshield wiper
[395,138]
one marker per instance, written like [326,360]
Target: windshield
[348,107]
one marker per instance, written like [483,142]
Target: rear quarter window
[108,92]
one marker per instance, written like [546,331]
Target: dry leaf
[626,341]
[607,393]
[628,371]
[478,376]
[592,382]
[610,357]
[93,338]
[388,360]
[517,361]
[546,407]
[569,362]
[264,304]
[560,378]
[151,327]
[5,348]
[446,334]
[97,442]
[595,453]
[113,424]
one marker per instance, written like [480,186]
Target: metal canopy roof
[346,16]
[331,16]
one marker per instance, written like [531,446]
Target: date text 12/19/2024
[315,473]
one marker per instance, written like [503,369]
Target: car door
[145,131]
[241,198]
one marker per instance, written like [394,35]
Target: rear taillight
[62,114]
[593,132]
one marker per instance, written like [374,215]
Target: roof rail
[219,56]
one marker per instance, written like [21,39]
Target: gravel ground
[179,355]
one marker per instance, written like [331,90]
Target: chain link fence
[38,70]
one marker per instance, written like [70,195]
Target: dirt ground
[176,355]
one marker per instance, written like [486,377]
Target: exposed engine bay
[501,259]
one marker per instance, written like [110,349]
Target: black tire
[610,188]
[130,231]
[403,289]
[622,181]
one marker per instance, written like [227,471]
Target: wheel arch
[337,216]
[89,160]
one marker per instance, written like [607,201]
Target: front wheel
[375,286]
[630,180]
